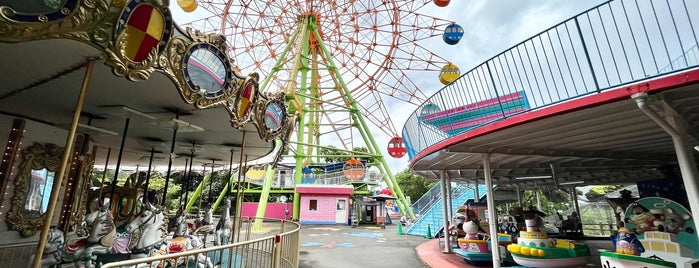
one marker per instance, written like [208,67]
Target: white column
[492,215]
[443,179]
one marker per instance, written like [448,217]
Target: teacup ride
[474,247]
[81,253]
[535,249]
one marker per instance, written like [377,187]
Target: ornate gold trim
[173,65]
[233,104]
[38,156]
[79,208]
[125,67]
[87,22]
[259,115]
[121,64]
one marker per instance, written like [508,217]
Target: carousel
[106,85]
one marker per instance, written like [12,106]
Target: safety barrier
[275,245]
[613,44]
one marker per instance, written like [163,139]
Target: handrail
[276,250]
[610,45]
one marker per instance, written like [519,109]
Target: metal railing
[274,245]
[17,255]
[611,45]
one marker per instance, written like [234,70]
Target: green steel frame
[304,99]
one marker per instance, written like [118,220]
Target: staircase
[430,209]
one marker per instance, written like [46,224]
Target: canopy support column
[690,176]
[492,215]
[55,191]
[443,180]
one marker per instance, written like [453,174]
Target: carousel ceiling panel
[611,143]
[39,84]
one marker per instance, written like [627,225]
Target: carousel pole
[118,164]
[55,191]
[213,162]
[104,175]
[186,163]
[189,175]
[145,186]
[230,174]
[238,199]
[171,158]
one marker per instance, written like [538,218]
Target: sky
[490,27]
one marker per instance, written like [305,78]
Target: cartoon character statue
[642,218]
[626,242]
[672,222]
[471,229]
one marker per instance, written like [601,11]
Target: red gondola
[396,148]
[441,3]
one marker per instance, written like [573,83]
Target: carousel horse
[53,253]
[100,240]
[206,225]
[223,228]
[151,225]
[149,229]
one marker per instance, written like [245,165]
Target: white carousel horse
[100,240]
[152,225]
[223,228]
[53,253]
[206,225]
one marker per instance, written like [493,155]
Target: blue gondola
[452,34]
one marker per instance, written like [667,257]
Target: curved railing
[610,45]
[274,244]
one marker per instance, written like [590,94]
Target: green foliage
[333,155]
[599,191]
[413,185]
[551,201]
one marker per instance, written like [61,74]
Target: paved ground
[338,246]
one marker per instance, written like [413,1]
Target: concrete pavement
[341,246]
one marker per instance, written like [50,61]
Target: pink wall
[327,208]
[273,210]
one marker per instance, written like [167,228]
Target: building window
[313,204]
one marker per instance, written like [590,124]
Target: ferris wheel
[338,61]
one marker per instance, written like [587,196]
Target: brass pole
[55,191]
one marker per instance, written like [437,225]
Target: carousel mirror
[33,186]
[274,116]
[206,72]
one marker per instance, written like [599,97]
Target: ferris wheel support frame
[297,102]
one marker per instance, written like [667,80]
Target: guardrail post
[276,251]
[587,54]
[495,88]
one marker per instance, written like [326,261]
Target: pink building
[324,204]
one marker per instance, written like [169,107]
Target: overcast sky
[490,27]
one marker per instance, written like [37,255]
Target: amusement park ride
[337,62]
[324,70]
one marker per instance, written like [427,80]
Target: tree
[601,190]
[412,185]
